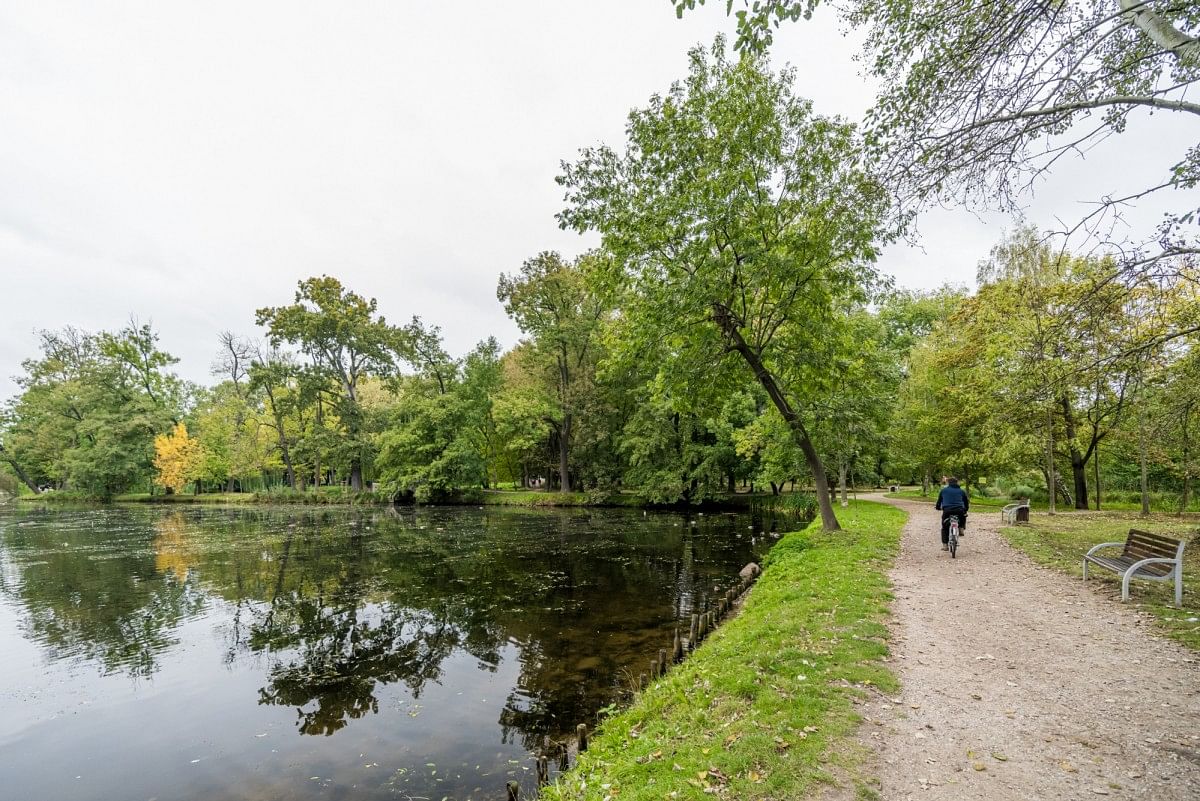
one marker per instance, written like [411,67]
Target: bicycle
[952,541]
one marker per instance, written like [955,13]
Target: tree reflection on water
[342,603]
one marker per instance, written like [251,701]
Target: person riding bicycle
[953,502]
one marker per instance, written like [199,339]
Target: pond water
[270,653]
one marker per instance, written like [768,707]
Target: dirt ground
[1021,683]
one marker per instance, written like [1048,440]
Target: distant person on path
[953,502]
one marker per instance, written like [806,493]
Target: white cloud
[188,163]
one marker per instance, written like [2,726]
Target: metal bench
[1015,513]
[1150,556]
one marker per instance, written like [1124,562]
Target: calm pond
[276,653]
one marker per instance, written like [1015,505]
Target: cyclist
[953,502]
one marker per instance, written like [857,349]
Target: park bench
[1015,513]
[1145,555]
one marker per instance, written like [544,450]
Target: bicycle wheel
[953,539]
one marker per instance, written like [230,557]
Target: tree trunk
[775,488]
[21,474]
[828,519]
[1161,31]
[1096,473]
[732,482]
[1185,493]
[842,481]
[564,472]
[1142,458]
[1051,480]
[318,423]
[1078,465]
[356,474]
[925,483]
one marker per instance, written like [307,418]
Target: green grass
[765,707]
[1159,503]
[524,498]
[1061,541]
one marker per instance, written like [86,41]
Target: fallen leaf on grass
[718,776]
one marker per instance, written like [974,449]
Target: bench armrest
[1136,566]
[1104,545]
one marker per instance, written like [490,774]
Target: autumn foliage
[177,458]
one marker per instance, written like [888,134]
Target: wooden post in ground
[662,661]
[543,771]
[582,734]
[514,790]
[643,681]
[677,648]
[695,627]
[653,669]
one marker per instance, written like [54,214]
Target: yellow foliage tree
[178,458]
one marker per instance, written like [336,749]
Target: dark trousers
[946,515]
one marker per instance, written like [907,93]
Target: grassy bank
[208,497]
[801,505]
[1061,541]
[765,708]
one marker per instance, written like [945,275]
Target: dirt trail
[1020,683]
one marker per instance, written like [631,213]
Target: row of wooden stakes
[702,624]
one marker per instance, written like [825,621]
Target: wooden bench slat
[1121,565]
[1140,552]
[1160,540]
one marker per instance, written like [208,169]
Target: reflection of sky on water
[151,653]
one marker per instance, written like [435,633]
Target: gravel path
[1020,683]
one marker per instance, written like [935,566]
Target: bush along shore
[765,708]
[802,505]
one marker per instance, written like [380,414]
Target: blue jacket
[952,498]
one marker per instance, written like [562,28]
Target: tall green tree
[742,220]
[89,408]
[347,340]
[551,301]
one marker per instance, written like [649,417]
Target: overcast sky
[187,163]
